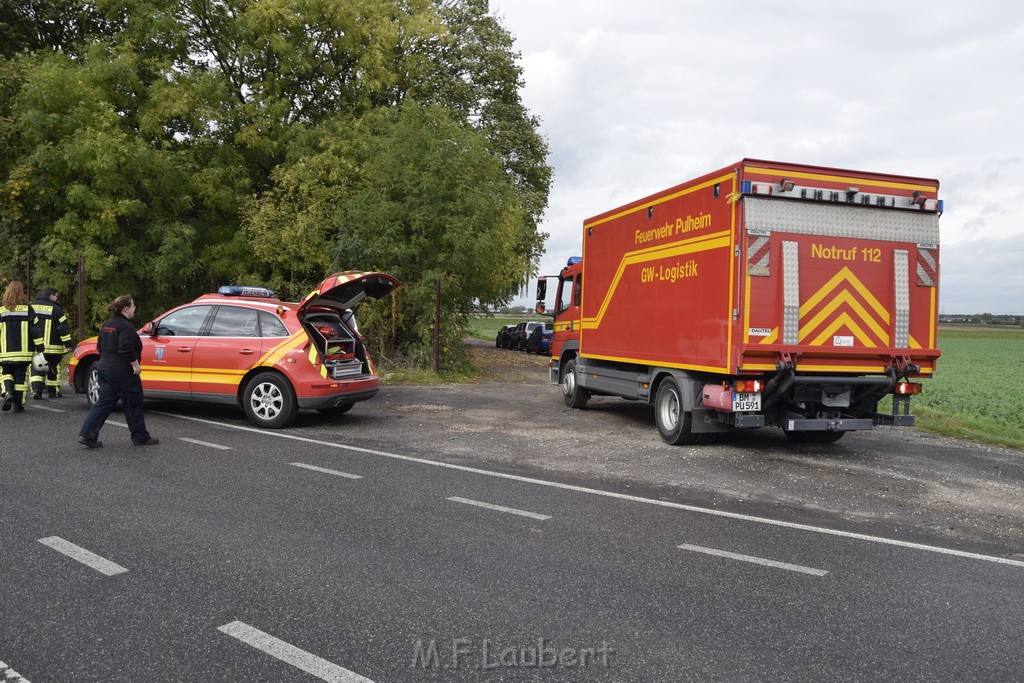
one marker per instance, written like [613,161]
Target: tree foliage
[177,144]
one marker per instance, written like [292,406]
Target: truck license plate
[745,402]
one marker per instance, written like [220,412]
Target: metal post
[437,325]
[81,297]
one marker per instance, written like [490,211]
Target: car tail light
[749,386]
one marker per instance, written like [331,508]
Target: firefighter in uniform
[56,342]
[20,338]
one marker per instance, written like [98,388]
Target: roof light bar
[238,290]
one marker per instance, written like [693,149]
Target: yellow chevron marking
[717,240]
[845,297]
[841,321]
[771,338]
[845,274]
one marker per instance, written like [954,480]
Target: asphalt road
[482,533]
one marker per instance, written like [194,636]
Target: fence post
[437,325]
[81,297]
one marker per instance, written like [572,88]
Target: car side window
[234,321]
[186,322]
[270,326]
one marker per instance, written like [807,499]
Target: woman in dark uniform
[120,351]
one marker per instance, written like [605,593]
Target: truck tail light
[749,386]
[907,388]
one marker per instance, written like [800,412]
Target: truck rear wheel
[674,423]
[574,396]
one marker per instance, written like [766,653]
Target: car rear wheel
[269,401]
[574,396]
[92,384]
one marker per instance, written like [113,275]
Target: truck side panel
[660,279]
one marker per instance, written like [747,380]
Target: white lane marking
[50,410]
[9,675]
[754,560]
[300,659]
[86,557]
[499,508]
[625,496]
[205,443]
[336,473]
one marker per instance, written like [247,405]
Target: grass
[976,392]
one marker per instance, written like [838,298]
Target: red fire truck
[761,294]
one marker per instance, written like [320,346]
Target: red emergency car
[245,347]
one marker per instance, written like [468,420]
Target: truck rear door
[839,269]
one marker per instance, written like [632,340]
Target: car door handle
[184,349]
[247,352]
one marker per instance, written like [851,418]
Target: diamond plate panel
[841,220]
[790,293]
[901,271]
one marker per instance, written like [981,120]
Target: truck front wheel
[574,396]
[674,423]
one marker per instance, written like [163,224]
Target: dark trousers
[51,379]
[113,386]
[13,375]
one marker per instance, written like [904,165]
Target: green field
[976,392]
[487,328]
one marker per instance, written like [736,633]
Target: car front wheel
[269,401]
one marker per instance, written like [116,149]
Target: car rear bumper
[356,391]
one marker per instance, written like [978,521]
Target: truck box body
[754,268]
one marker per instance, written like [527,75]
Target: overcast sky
[637,95]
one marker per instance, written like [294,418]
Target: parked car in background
[501,341]
[540,339]
[243,346]
[517,338]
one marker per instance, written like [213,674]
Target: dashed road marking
[623,496]
[499,508]
[36,406]
[205,443]
[754,560]
[86,557]
[336,473]
[288,653]
[9,675]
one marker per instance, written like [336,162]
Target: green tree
[409,190]
[146,134]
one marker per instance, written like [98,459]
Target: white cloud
[634,97]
